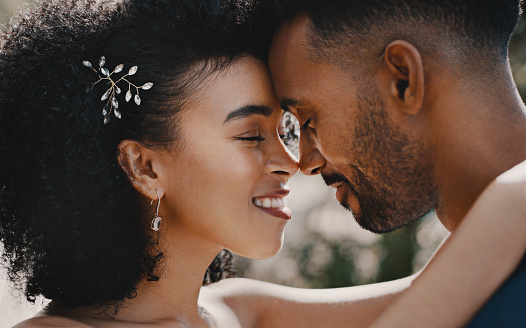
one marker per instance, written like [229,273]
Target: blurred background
[324,246]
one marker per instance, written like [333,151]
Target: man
[406,106]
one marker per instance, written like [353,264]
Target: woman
[138,141]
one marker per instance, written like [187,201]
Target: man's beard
[378,212]
[391,178]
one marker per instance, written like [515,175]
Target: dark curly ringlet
[73,228]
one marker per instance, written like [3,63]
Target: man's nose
[311,160]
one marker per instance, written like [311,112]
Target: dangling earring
[156,221]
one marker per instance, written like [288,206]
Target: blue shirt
[507,307]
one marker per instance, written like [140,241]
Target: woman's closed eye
[255,138]
[251,137]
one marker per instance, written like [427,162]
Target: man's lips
[341,183]
[274,204]
[340,190]
[336,184]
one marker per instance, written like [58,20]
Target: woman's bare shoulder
[43,321]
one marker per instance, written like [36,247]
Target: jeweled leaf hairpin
[112,104]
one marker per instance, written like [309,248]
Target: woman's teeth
[269,202]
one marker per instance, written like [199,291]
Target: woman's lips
[282,213]
[274,204]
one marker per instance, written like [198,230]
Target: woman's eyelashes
[257,138]
[251,137]
[283,135]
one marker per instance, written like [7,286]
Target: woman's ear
[406,75]
[134,159]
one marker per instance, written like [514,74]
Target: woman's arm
[260,304]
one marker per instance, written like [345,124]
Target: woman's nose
[283,162]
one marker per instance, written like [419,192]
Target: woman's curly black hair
[71,225]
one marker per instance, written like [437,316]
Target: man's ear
[406,75]
[135,160]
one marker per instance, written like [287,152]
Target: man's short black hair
[460,27]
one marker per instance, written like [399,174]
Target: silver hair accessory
[112,105]
[156,221]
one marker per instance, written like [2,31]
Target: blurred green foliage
[517,55]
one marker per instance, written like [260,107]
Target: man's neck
[477,138]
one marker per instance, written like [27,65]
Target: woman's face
[226,179]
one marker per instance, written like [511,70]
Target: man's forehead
[293,35]
[298,80]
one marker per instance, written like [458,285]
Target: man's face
[348,136]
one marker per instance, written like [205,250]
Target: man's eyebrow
[289,102]
[247,111]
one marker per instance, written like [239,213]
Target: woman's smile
[273,203]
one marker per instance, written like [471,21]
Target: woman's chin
[260,253]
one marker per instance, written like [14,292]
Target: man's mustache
[333,178]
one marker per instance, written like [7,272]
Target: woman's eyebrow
[249,110]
